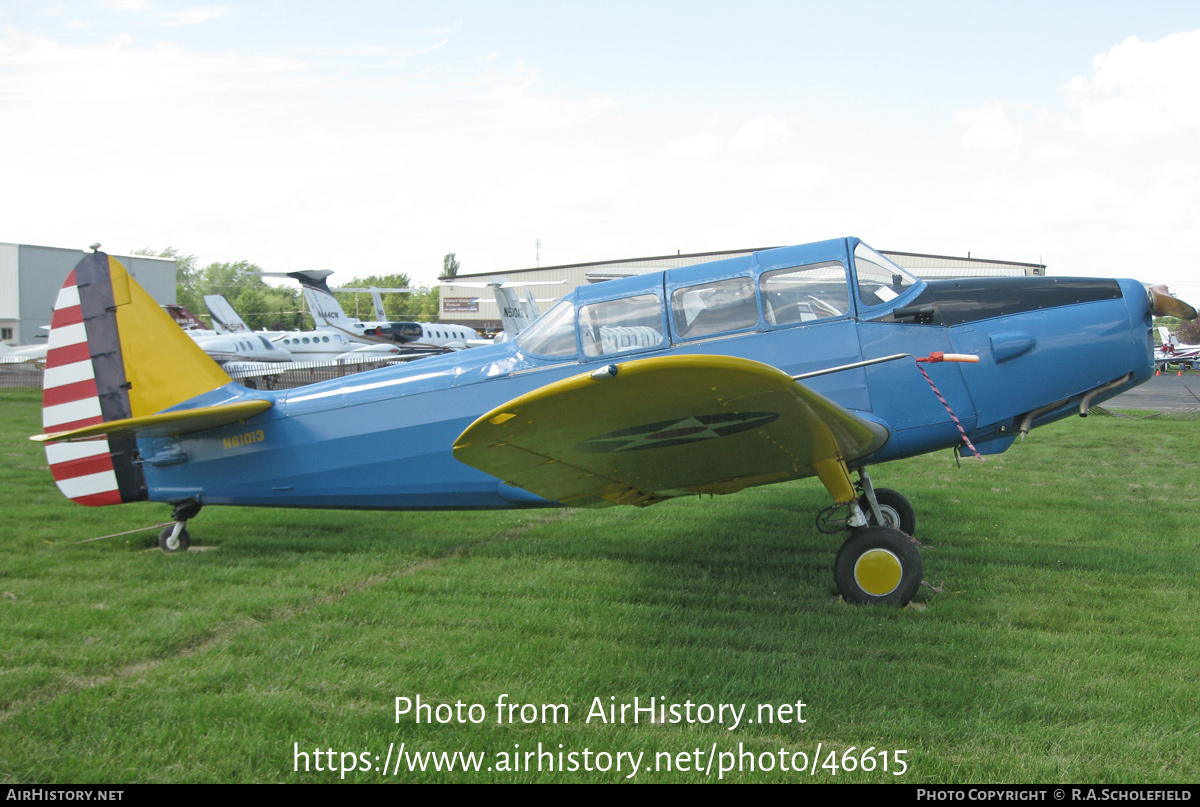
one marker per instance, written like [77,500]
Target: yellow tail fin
[113,354]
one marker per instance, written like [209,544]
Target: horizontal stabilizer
[164,423]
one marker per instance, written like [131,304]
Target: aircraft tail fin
[225,318]
[325,309]
[113,354]
[377,301]
[513,312]
[530,307]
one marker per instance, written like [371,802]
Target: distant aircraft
[232,339]
[259,358]
[1172,351]
[225,319]
[377,297]
[516,314]
[23,354]
[706,379]
[190,323]
[242,347]
[324,343]
[327,313]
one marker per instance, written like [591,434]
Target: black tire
[180,545]
[878,565]
[897,512]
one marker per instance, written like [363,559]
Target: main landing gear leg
[879,562]
[175,538]
[885,507]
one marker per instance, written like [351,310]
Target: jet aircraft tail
[325,309]
[225,319]
[515,313]
[113,355]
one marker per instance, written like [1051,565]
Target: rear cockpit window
[804,293]
[618,326]
[717,307]
[879,280]
[553,334]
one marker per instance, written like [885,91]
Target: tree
[429,304]
[253,307]
[188,292]
[1186,331]
[419,305]
[1189,332]
[450,267]
[241,283]
[259,304]
[397,306]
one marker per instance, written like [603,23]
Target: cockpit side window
[553,334]
[715,307]
[879,280]
[618,326]
[804,293]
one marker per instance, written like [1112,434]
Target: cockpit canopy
[788,287]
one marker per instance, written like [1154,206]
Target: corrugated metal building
[30,277]
[945,267]
[476,308]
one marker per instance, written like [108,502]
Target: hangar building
[31,276]
[476,308]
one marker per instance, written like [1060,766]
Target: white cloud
[798,177]
[988,128]
[358,50]
[235,156]
[191,16]
[1140,90]
[1054,152]
[696,147]
[408,55]
[295,165]
[760,133]
[1109,188]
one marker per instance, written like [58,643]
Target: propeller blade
[1165,305]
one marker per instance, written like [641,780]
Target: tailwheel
[171,541]
[174,537]
[896,510]
[878,565]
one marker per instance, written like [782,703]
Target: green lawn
[1062,646]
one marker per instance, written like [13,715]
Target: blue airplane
[814,360]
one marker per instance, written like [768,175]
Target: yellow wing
[668,426]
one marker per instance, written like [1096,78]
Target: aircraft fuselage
[382,439]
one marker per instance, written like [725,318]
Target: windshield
[553,334]
[879,280]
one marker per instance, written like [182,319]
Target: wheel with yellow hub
[878,565]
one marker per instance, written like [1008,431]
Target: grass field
[1062,646]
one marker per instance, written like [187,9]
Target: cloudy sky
[373,136]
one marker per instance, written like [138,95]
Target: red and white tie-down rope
[933,358]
